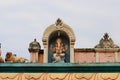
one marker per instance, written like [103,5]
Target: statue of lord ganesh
[59,51]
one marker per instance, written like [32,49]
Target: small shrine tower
[34,49]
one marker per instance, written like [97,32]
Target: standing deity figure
[59,51]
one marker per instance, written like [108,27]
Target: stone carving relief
[106,42]
[58,51]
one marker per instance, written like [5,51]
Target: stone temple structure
[60,60]
[59,40]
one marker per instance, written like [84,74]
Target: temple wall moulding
[63,33]
[105,50]
[60,76]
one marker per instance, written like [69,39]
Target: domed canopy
[34,46]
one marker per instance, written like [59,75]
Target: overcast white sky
[23,20]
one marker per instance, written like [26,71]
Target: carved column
[71,53]
[97,57]
[34,57]
[116,57]
[45,58]
[37,56]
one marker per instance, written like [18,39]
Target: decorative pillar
[34,48]
[97,52]
[45,58]
[72,55]
[116,57]
[97,57]
[72,51]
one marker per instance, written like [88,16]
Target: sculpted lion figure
[1,59]
[13,58]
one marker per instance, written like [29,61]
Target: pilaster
[97,56]
[116,56]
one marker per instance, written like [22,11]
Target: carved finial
[106,42]
[59,22]
[35,40]
[34,46]
[106,36]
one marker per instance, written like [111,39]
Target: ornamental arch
[59,30]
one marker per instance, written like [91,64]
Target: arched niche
[65,47]
[55,31]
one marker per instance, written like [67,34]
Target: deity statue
[58,51]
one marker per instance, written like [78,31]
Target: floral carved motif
[59,76]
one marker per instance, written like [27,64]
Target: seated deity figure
[59,51]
